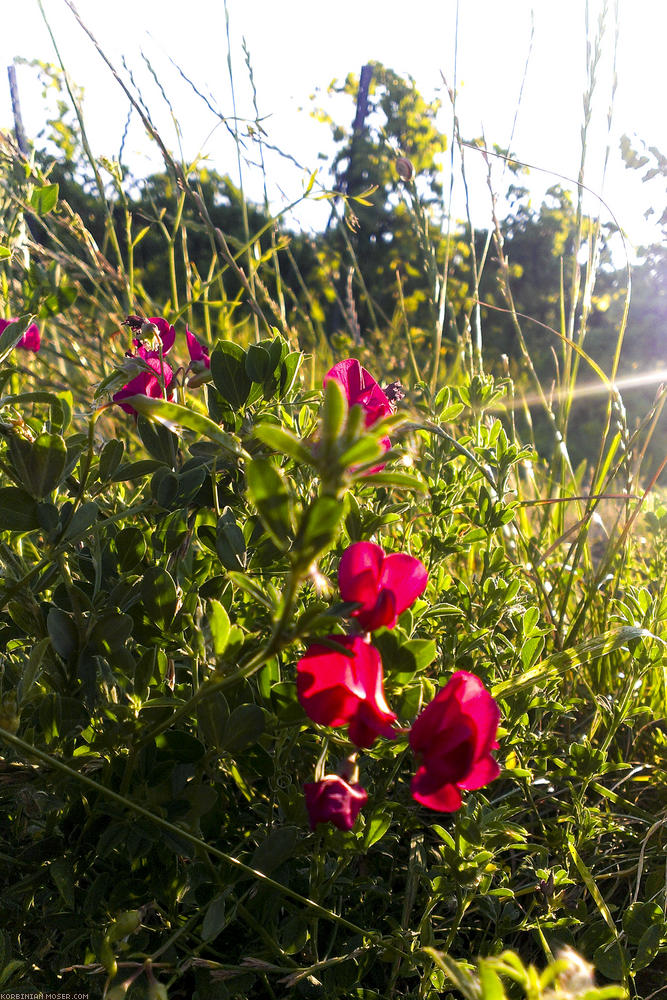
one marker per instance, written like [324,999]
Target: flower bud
[333,800]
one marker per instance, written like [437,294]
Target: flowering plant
[384,585]
[334,800]
[454,734]
[453,738]
[154,376]
[361,389]
[31,339]
[336,689]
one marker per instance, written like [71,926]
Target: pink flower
[336,690]
[333,800]
[198,352]
[384,585]
[361,389]
[154,383]
[161,333]
[31,339]
[453,737]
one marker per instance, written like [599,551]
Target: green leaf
[288,372]
[18,510]
[112,630]
[403,661]
[160,443]
[228,370]
[376,829]
[212,717]
[215,919]
[218,623]
[44,199]
[8,971]
[285,703]
[61,873]
[5,252]
[639,917]
[229,541]
[258,363]
[334,411]
[110,458]
[84,519]
[319,528]
[159,597]
[268,492]
[62,632]
[33,668]
[492,988]
[283,442]
[244,726]
[130,547]
[48,459]
[559,663]
[649,945]
[135,470]
[176,417]
[611,960]
[144,672]
[366,449]
[278,848]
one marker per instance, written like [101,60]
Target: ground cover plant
[323,674]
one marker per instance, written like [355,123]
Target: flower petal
[382,614]
[360,387]
[405,576]
[359,572]
[322,668]
[447,798]
[481,773]
[197,350]
[333,800]
[31,339]
[166,331]
[335,689]
[349,376]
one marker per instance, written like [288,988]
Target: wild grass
[548,581]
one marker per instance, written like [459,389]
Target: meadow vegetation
[266,500]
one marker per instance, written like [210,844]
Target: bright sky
[297,47]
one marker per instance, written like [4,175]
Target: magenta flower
[200,362]
[361,389]
[384,585]
[337,690]
[155,382]
[453,738]
[31,339]
[161,333]
[333,800]
[198,351]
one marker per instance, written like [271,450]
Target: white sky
[298,46]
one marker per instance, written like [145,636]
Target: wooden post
[19,131]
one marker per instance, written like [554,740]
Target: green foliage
[161,575]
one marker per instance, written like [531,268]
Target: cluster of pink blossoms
[453,736]
[155,338]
